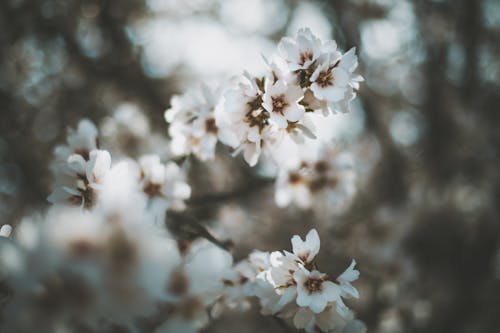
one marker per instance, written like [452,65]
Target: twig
[237,193]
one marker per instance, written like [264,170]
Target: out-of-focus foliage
[425,224]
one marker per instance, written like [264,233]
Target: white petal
[294,93]
[282,197]
[288,49]
[307,131]
[251,153]
[294,112]
[253,134]
[287,296]
[98,165]
[350,274]
[340,77]
[349,291]
[77,163]
[278,120]
[84,137]
[331,291]
[342,309]
[330,93]
[318,304]
[182,190]
[228,137]
[299,248]
[302,318]
[349,61]
[278,88]
[61,195]
[302,196]
[313,243]
[303,299]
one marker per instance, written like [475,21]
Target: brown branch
[248,189]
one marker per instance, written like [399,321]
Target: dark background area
[424,227]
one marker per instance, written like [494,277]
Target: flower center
[256,116]
[279,103]
[304,75]
[210,126]
[152,189]
[313,285]
[294,178]
[83,152]
[325,79]
[321,166]
[305,56]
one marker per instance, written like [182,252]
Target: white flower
[329,82]
[83,178]
[80,141]
[91,269]
[293,287]
[243,122]
[345,279]
[327,180]
[300,52]
[322,70]
[259,114]
[198,283]
[281,101]
[334,82]
[308,249]
[97,167]
[278,69]
[292,187]
[193,128]
[5,230]
[127,132]
[163,184]
[314,290]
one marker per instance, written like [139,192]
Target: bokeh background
[424,226]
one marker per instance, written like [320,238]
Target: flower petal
[294,112]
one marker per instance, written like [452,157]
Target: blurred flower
[192,124]
[79,188]
[163,184]
[326,180]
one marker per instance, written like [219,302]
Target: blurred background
[424,226]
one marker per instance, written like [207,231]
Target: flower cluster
[82,170]
[255,115]
[79,167]
[327,180]
[106,257]
[192,121]
[290,286]
[97,269]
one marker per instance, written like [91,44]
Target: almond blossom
[293,287]
[307,75]
[81,185]
[325,181]
[307,249]
[314,290]
[193,128]
[244,123]
[80,142]
[164,184]
[281,101]
[116,264]
[301,52]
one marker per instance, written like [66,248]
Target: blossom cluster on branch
[255,114]
[103,257]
